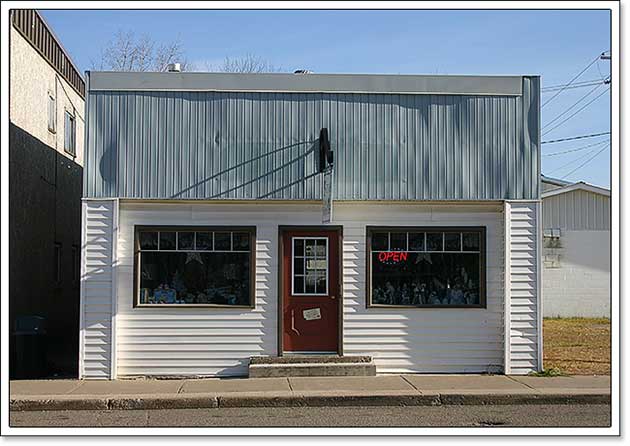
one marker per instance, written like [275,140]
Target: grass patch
[549,373]
[576,346]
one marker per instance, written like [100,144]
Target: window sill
[428,307]
[238,307]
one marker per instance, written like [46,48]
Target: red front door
[310,271]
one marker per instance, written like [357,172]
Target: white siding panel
[96,289]
[219,342]
[422,340]
[522,278]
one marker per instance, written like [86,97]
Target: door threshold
[306,353]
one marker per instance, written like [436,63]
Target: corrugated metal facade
[231,145]
[577,210]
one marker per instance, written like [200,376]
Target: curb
[213,401]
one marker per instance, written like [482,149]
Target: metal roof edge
[554,181]
[308,83]
[577,186]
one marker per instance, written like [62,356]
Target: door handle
[333,297]
[293,322]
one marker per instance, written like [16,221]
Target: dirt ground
[577,346]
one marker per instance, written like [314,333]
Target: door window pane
[298,265]
[298,247]
[310,264]
[298,284]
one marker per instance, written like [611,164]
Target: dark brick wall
[44,209]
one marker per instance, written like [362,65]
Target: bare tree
[246,64]
[127,52]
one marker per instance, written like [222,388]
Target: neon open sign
[392,256]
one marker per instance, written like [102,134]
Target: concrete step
[310,365]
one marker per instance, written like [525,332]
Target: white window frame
[293,239]
[73,129]
[52,112]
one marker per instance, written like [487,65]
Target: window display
[427,267]
[195,266]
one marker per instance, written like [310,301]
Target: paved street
[413,416]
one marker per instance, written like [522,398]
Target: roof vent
[302,72]
[174,68]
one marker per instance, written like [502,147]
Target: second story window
[69,143]
[52,113]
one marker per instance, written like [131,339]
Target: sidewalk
[383,390]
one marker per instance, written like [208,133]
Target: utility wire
[585,162]
[574,85]
[572,162]
[577,149]
[571,81]
[575,137]
[577,111]
[576,103]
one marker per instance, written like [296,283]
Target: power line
[575,137]
[577,149]
[577,111]
[574,85]
[570,82]
[573,161]
[585,162]
[576,103]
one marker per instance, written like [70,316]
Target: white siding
[422,340]
[197,341]
[522,276]
[207,341]
[96,288]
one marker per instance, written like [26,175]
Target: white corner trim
[82,290]
[539,298]
[577,186]
[112,372]
[507,369]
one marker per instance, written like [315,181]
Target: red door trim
[279,315]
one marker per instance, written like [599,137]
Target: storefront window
[426,267]
[194,266]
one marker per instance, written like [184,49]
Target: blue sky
[556,44]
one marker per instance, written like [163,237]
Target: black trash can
[29,338]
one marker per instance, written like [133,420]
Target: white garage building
[576,249]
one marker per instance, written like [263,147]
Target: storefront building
[230,216]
